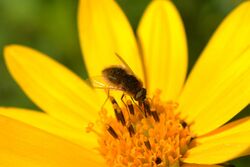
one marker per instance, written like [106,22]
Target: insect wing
[99,82]
[124,64]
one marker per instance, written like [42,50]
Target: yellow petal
[51,86]
[162,37]
[197,165]
[104,31]
[228,93]
[46,123]
[226,143]
[23,145]
[239,127]
[229,41]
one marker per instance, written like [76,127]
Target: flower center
[146,134]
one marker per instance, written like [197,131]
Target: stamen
[90,128]
[147,144]
[112,131]
[158,160]
[131,129]
[148,133]
[118,111]
[119,115]
[130,107]
[146,108]
[183,124]
[155,116]
[112,99]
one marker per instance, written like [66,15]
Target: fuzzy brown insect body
[125,81]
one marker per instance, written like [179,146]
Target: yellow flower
[190,126]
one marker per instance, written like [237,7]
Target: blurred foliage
[50,26]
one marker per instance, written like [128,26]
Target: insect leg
[118,111]
[123,95]
[107,91]
[139,107]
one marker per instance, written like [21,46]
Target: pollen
[146,134]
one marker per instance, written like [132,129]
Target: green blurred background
[50,26]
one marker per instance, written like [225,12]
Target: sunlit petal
[23,145]
[51,86]
[162,37]
[104,31]
[48,124]
[228,93]
[225,47]
[235,128]
[224,144]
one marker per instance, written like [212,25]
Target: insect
[126,82]
[122,78]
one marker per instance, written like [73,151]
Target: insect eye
[141,94]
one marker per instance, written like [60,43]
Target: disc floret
[147,134]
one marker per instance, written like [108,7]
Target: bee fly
[126,82]
[121,77]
